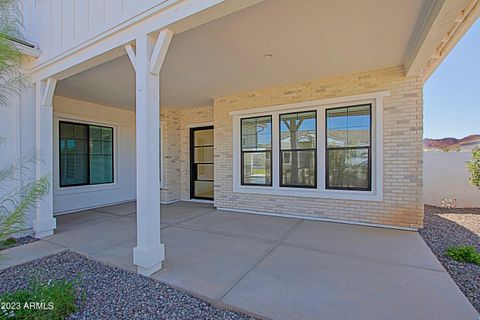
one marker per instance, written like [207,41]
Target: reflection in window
[348,149]
[86,154]
[256,135]
[298,151]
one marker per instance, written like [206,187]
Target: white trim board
[292,216]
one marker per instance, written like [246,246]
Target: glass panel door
[201,163]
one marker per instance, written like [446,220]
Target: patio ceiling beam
[131,55]
[160,51]
[44,222]
[445,24]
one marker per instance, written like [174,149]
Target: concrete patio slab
[97,237]
[119,255]
[278,268]
[28,252]
[262,227]
[397,246]
[206,263]
[119,209]
[297,283]
[176,213]
[81,219]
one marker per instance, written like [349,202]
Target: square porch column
[149,252]
[44,222]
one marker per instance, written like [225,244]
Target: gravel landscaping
[444,228]
[112,293]
[19,242]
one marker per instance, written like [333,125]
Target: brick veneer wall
[170,120]
[191,117]
[402,154]
[176,159]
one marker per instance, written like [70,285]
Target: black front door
[201,163]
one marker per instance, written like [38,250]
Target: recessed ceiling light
[268,56]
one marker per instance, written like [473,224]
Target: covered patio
[278,268]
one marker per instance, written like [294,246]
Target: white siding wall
[445,175]
[123,122]
[59,25]
[17,136]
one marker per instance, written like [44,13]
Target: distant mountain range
[452,144]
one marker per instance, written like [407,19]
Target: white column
[44,222]
[149,252]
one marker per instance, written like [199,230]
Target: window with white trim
[256,152]
[328,148]
[348,148]
[86,154]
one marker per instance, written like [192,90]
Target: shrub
[7,243]
[464,254]
[473,167]
[41,301]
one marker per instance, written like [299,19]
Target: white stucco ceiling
[309,39]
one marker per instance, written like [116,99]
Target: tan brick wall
[170,120]
[402,136]
[190,118]
[176,160]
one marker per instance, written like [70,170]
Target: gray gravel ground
[21,241]
[112,293]
[440,232]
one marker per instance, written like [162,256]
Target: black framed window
[348,148]
[86,154]
[256,151]
[298,149]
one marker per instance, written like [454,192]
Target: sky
[452,93]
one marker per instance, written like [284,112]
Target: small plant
[8,243]
[449,203]
[41,301]
[473,166]
[467,254]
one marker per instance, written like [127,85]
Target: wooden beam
[160,50]
[131,55]
[48,93]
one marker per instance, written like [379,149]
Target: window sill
[312,193]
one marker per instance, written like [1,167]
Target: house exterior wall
[402,150]
[176,148]
[124,186]
[57,26]
[171,144]
[17,140]
[190,118]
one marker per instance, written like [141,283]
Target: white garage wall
[445,175]
[123,189]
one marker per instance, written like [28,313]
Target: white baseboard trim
[286,215]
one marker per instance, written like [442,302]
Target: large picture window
[86,154]
[348,148]
[298,149]
[256,151]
